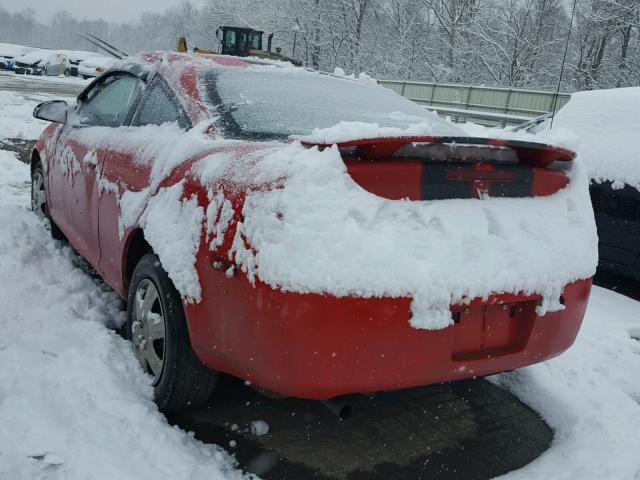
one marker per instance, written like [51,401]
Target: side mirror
[52,111]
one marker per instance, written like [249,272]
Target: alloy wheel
[148,329]
[38,196]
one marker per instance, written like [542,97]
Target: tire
[67,72]
[157,329]
[39,201]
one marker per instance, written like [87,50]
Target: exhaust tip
[345,412]
[341,409]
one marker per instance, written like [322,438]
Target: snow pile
[363,76]
[74,403]
[590,396]
[321,232]
[607,123]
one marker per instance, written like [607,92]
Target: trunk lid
[435,168]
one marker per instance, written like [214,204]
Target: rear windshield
[273,103]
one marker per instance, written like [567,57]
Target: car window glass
[107,105]
[157,107]
[275,103]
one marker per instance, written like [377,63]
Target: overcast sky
[117,10]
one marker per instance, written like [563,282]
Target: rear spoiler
[529,153]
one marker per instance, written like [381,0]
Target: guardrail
[486,105]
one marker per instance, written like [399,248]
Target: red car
[97,174]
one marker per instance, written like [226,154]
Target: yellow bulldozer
[240,42]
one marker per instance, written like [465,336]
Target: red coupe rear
[106,173]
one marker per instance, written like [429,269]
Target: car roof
[180,61]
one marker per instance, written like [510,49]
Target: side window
[254,41]
[230,38]
[159,106]
[108,104]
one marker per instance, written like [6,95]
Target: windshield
[272,102]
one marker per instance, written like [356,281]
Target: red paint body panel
[73,195]
[310,345]
[120,169]
[394,180]
[319,346]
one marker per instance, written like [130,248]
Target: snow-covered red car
[314,235]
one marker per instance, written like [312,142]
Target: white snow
[173,227]
[346,131]
[600,125]
[74,403]
[219,216]
[608,125]
[47,57]
[16,115]
[590,396]
[321,232]
[558,137]
[14,50]
[259,428]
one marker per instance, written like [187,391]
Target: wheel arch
[136,246]
[35,159]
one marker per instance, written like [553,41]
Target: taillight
[99,69]
[420,179]
[432,168]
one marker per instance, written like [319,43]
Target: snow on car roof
[14,50]
[607,124]
[80,54]
[92,62]
[37,55]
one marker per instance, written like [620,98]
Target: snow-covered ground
[16,120]
[75,405]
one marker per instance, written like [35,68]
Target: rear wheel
[39,201]
[157,329]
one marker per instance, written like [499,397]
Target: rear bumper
[317,346]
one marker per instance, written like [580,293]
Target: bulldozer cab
[240,41]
